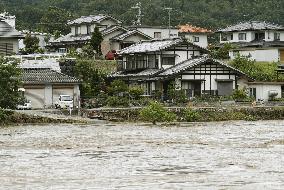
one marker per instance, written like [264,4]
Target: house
[264,91]
[43,86]
[119,37]
[196,35]
[157,32]
[260,41]
[9,36]
[115,36]
[155,64]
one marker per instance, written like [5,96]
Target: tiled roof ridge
[251,25]
[189,28]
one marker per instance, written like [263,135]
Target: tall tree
[31,43]
[9,83]
[96,40]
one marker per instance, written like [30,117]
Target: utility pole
[139,16]
[169,12]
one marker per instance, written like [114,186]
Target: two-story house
[156,64]
[157,32]
[9,36]
[194,34]
[260,41]
[115,36]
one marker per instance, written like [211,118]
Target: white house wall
[262,90]
[203,41]
[164,32]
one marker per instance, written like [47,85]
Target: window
[89,29]
[76,30]
[276,36]
[242,36]
[168,60]
[252,92]
[158,35]
[195,39]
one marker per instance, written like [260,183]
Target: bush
[190,115]
[117,87]
[136,92]
[117,101]
[240,94]
[155,112]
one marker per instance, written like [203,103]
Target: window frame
[242,36]
[159,34]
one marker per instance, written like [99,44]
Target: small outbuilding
[44,86]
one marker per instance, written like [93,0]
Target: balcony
[135,65]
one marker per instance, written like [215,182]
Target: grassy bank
[195,114]
[14,118]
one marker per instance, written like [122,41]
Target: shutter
[6,49]
[282,55]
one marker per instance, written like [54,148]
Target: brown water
[230,155]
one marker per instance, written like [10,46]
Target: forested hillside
[37,14]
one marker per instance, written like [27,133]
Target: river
[226,155]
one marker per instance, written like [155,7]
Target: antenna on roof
[139,15]
[169,12]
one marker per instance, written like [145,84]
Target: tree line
[51,15]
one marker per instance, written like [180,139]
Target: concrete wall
[262,90]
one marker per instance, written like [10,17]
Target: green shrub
[117,101]
[136,92]
[117,87]
[190,115]
[155,112]
[240,94]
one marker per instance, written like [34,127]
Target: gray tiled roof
[7,31]
[71,38]
[46,76]
[124,35]
[262,44]
[150,46]
[144,73]
[91,19]
[190,63]
[252,25]
[111,29]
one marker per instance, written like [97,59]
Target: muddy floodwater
[229,155]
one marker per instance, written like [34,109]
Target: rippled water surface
[230,155]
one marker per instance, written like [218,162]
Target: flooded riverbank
[226,155]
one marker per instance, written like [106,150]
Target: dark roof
[144,73]
[190,63]
[260,44]
[7,31]
[124,35]
[158,74]
[46,76]
[251,26]
[155,45]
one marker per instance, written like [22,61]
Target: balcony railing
[135,65]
